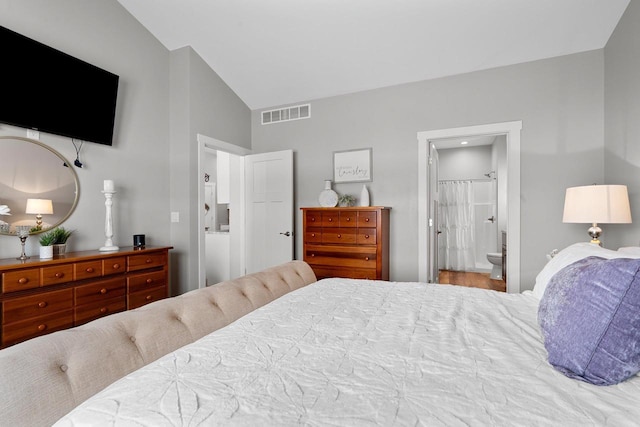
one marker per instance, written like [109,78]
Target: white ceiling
[275,52]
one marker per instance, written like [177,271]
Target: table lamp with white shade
[39,207]
[597,204]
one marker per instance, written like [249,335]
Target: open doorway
[429,197]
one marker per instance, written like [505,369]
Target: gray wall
[622,122]
[201,103]
[560,102]
[462,163]
[165,99]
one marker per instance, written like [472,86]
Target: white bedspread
[361,353]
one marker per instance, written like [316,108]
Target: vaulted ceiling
[275,52]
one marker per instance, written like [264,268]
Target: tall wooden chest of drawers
[42,296]
[347,242]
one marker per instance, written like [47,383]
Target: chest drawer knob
[330,219]
[59,275]
[348,219]
[339,236]
[366,236]
[42,304]
[366,220]
[23,280]
[103,310]
[312,255]
[89,270]
[116,266]
[103,291]
[42,327]
[148,260]
[149,281]
[149,297]
[366,258]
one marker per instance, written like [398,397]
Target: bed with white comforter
[344,352]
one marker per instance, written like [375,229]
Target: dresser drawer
[95,310]
[348,219]
[146,260]
[367,219]
[366,236]
[348,256]
[313,235]
[138,299]
[19,280]
[30,328]
[88,269]
[313,218]
[114,265]
[331,219]
[45,303]
[142,282]
[339,235]
[100,291]
[57,274]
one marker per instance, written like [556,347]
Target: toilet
[495,258]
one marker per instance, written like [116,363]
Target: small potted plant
[60,244]
[346,200]
[46,244]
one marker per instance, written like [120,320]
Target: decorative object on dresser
[346,200]
[42,296]
[364,196]
[46,244]
[109,191]
[22,231]
[328,198]
[39,207]
[347,242]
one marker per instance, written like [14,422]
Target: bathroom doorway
[498,197]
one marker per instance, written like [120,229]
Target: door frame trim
[216,144]
[512,130]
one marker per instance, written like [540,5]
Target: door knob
[286,233]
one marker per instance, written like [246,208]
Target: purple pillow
[590,320]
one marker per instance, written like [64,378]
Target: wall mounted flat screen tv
[44,89]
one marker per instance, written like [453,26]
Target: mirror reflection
[36,188]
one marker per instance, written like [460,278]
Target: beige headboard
[44,378]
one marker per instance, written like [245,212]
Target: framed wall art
[353,165]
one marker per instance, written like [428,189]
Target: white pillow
[573,253]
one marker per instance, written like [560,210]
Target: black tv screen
[50,91]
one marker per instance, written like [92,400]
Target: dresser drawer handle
[59,275]
[313,234]
[148,260]
[89,270]
[149,281]
[23,280]
[42,304]
[103,310]
[149,298]
[348,219]
[103,291]
[42,327]
[366,258]
[313,220]
[312,255]
[339,236]
[366,220]
[116,266]
[366,236]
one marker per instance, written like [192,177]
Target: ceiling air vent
[287,114]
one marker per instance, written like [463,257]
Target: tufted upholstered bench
[44,378]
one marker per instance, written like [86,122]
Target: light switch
[175,216]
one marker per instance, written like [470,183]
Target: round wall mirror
[38,187]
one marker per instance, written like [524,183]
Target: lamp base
[595,232]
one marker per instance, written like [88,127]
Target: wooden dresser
[43,296]
[347,242]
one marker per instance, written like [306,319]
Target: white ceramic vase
[46,252]
[328,198]
[364,196]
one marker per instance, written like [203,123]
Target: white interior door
[269,209]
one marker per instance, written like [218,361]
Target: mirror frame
[73,174]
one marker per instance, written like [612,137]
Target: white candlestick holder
[108,223]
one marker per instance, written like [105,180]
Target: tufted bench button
[133,339]
[64,368]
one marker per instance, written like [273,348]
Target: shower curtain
[457,224]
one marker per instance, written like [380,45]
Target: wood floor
[472,280]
